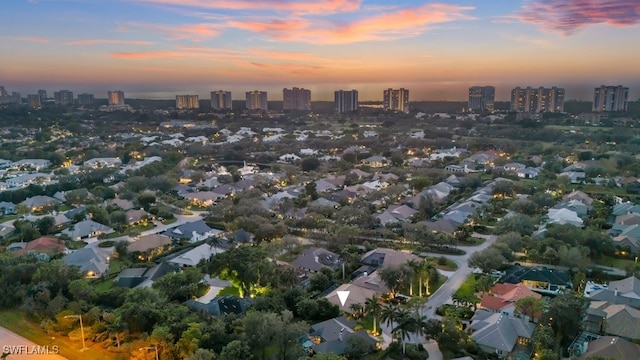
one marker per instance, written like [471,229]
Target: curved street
[444,293]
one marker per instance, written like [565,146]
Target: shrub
[106,244]
[442,261]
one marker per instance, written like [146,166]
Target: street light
[150,348]
[81,328]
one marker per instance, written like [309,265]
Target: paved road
[444,292]
[20,348]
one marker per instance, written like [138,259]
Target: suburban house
[38,202]
[612,319]
[221,305]
[203,198]
[6,231]
[564,216]
[357,295]
[43,248]
[375,161]
[331,336]
[135,217]
[395,214]
[625,208]
[193,231]
[384,257]
[579,195]
[503,297]
[240,237]
[446,226]
[623,292]
[502,334]
[315,259]
[538,279]
[577,206]
[142,277]
[149,242]
[7,208]
[193,256]
[86,229]
[611,347]
[121,203]
[93,262]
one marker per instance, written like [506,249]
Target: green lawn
[468,287]
[15,321]
[449,266]
[230,290]
[615,262]
[169,221]
[8,217]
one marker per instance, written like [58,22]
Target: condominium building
[256,100]
[537,100]
[116,98]
[396,100]
[43,95]
[5,98]
[296,99]
[184,102]
[346,100]
[221,100]
[85,99]
[481,98]
[610,98]
[62,97]
[34,101]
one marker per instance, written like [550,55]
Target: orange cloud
[298,7]
[107,41]
[172,54]
[193,32]
[400,24]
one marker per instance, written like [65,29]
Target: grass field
[15,321]
[615,262]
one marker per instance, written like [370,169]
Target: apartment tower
[256,100]
[116,98]
[221,100]
[346,100]
[396,100]
[296,99]
[481,98]
[610,98]
[62,97]
[186,102]
[538,100]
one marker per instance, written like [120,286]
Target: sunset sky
[437,49]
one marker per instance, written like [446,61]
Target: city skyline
[160,48]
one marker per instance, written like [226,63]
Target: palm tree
[357,310]
[372,307]
[404,325]
[415,268]
[388,314]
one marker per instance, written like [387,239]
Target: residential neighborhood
[206,235]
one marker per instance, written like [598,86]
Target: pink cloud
[108,41]
[193,32]
[32,39]
[570,16]
[297,7]
[399,24]
[169,54]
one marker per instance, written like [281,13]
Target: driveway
[20,348]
